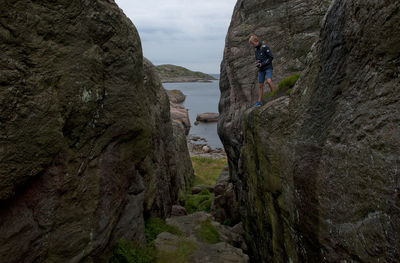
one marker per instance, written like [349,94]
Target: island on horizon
[173,73]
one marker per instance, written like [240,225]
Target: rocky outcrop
[207,117]
[289,28]
[316,173]
[85,133]
[180,116]
[176,96]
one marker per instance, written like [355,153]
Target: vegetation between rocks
[207,170]
[199,202]
[208,233]
[155,226]
[286,84]
[130,252]
[180,255]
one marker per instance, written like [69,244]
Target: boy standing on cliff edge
[264,59]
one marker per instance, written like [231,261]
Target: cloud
[183,32]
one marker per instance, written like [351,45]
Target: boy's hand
[258,64]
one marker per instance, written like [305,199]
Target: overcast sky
[182,32]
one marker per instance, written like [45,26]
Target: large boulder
[86,141]
[289,28]
[316,173]
[175,96]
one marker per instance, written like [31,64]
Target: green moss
[228,222]
[288,83]
[199,202]
[208,233]
[155,226]
[127,252]
[181,255]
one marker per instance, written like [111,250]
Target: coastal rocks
[220,249]
[180,115]
[176,96]
[207,117]
[85,133]
[196,149]
[206,149]
[316,173]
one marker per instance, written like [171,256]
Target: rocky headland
[172,73]
[316,171]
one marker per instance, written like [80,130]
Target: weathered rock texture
[86,141]
[317,174]
[225,207]
[228,249]
[289,28]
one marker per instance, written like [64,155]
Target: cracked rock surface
[316,173]
[86,141]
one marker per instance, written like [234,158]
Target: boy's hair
[253,38]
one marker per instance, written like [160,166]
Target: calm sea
[200,97]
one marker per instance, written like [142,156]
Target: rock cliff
[316,173]
[87,146]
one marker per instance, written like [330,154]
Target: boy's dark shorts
[262,74]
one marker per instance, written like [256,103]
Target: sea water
[200,97]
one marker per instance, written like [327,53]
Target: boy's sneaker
[257,104]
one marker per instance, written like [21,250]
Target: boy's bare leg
[260,92]
[270,84]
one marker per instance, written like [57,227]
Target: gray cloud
[183,32]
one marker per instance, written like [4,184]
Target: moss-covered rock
[315,173]
[86,141]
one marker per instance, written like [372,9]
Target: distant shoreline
[175,74]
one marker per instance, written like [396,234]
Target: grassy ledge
[286,84]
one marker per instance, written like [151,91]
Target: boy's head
[253,40]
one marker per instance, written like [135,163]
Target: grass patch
[155,226]
[208,233]
[207,170]
[127,252]
[288,83]
[180,255]
[228,222]
[199,202]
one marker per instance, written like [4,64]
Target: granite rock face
[316,173]
[86,140]
[289,28]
